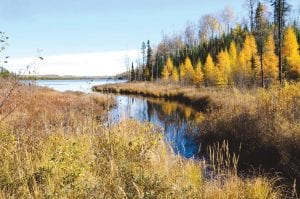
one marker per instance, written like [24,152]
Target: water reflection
[177,120]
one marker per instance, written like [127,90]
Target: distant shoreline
[66,77]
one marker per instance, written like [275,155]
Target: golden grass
[264,122]
[53,147]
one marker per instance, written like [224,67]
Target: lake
[83,85]
[177,121]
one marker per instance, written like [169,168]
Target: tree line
[218,53]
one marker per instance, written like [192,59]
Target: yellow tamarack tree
[165,74]
[167,70]
[224,68]
[270,59]
[209,71]
[290,51]
[198,74]
[175,75]
[187,71]
[247,60]
[233,55]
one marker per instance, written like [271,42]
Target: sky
[93,37]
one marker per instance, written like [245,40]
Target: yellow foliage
[167,70]
[233,55]
[270,59]
[224,69]
[198,75]
[290,50]
[209,71]
[175,75]
[165,74]
[187,70]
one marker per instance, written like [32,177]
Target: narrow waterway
[177,121]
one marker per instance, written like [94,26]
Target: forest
[216,52]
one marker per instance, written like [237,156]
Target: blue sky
[73,27]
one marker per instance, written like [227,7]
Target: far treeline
[217,53]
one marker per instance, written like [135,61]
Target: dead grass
[265,122]
[53,147]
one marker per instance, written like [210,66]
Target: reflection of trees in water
[174,116]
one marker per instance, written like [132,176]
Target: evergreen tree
[132,73]
[280,10]
[260,35]
[149,65]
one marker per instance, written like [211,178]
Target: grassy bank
[53,145]
[264,122]
[186,95]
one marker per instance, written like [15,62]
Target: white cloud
[82,64]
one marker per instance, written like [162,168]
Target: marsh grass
[54,146]
[261,125]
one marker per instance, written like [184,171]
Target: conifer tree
[167,70]
[233,55]
[188,70]
[248,58]
[261,25]
[224,69]
[291,53]
[198,75]
[132,73]
[175,75]
[209,71]
[270,59]
[165,73]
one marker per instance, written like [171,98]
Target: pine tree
[132,75]
[270,59]
[280,9]
[198,75]
[209,71]
[149,65]
[175,75]
[291,53]
[261,25]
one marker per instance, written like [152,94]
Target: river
[176,120]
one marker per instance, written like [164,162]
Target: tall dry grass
[52,146]
[264,122]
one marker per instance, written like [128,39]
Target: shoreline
[185,95]
[240,116]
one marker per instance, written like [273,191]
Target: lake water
[177,120]
[83,85]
